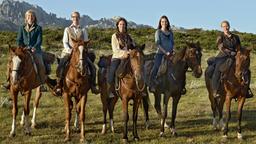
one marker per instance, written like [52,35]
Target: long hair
[168,25]
[32,12]
[121,19]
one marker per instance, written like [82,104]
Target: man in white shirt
[75,32]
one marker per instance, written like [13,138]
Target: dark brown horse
[173,81]
[234,85]
[76,84]
[23,79]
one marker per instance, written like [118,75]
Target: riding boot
[94,86]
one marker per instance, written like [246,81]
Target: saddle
[164,65]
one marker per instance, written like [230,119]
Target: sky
[206,14]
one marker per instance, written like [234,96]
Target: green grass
[193,120]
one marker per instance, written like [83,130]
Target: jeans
[157,63]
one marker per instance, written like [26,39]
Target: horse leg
[164,114]
[14,111]
[220,111]
[82,116]
[228,115]
[214,113]
[145,100]
[135,117]
[36,104]
[67,104]
[104,109]
[241,101]
[111,107]
[22,119]
[26,112]
[175,103]
[125,118]
[158,104]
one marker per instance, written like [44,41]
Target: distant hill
[12,14]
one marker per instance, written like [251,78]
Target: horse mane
[179,55]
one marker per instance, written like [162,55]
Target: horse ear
[87,42]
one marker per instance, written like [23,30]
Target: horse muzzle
[197,72]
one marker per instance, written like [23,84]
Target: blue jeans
[157,63]
[113,66]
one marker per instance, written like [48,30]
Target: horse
[76,84]
[131,86]
[109,103]
[23,79]
[173,80]
[234,86]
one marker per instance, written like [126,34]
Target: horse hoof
[82,140]
[174,134]
[125,141]
[136,139]
[166,125]
[12,135]
[225,136]
[239,136]
[67,139]
[161,134]
[33,126]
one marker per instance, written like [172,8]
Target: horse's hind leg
[228,115]
[67,103]
[158,104]
[241,101]
[111,107]
[82,116]
[104,109]
[14,111]
[135,117]
[125,118]
[36,104]
[164,114]
[26,111]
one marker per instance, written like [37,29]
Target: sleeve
[20,39]
[115,47]
[65,39]
[39,38]
[157,38]
[220,43]
[85,34]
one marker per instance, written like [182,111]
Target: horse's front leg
[158,104]
[82,116]
[164,114]
[175,102]
[135,117]
[111,107]
[228,115]
[67,105]
[125,118]
[241,101]
[36,104]
[14,95]
[27,96]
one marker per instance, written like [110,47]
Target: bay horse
[23,79]
[173,81]
[109,103]
[76,84]
[234,86]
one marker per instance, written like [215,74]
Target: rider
[227,43]
[30,37]
[120,42]
[164,43]
[75,32]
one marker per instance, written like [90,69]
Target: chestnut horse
[107,102]
[131,86]
[76,84]
[23,79]
[234,85]
[173,81]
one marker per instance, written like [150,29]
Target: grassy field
[193,121]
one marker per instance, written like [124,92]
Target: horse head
[242,63]
[192,57]
[79,55]
[137,63]
[19,56]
